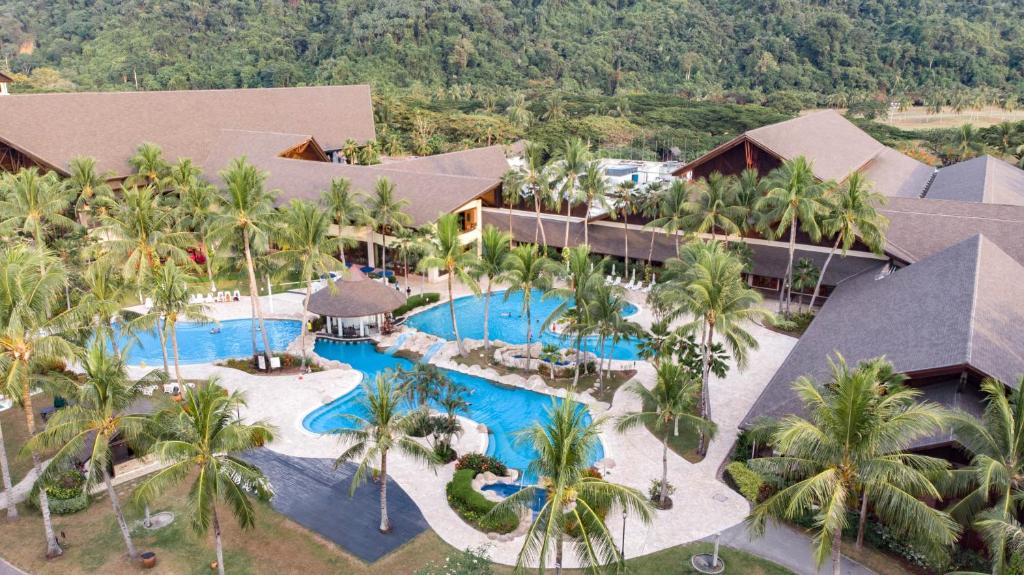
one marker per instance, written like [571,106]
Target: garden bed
[290,365]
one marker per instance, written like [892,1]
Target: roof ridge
[928,185]
[182,91]
[974,298]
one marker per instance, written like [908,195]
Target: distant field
[918,118]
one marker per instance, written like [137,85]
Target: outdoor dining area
[356,306]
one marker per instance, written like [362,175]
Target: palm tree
[537,180]
[409,242]
[387,213]
[33,335]
[386,426]
[805,275]
[103,303]
[526,270]
[346,208]
[851,215]
[606,310]
[749,190]
[198,208]
[494,248]
[448,254]
[99,413]
[706,288]
[650,208]
[714,207]
[573,498]
[627,207]
[306,243]
[573,157]
[582,277]
[34,204]
[183,177]
[518,113]
[672,212]
[350,150]
[172,301]
[594,188]
[511,194]
[150,167]
[664,407]
[793,200]
[88,187]
[850,447]
[991,488]
[198,438]
[247,216]
[967,143]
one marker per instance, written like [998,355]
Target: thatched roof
[357,296]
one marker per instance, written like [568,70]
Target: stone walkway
[787,547]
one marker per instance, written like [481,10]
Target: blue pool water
[504,410]
[197,345]
[508,322]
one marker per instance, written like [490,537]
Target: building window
[467,220]
[765,283]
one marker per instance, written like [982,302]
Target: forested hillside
[736,50]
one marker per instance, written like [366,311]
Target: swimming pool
[504,410]
[197,345]
[508,322]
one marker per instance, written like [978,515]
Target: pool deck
[703,504]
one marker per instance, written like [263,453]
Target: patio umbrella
[613,270]
[633,280]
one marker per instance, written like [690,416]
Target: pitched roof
[4,77]
[919,228]
[487,162]
[110,126]
[983,179]
[894,174]
[959,307]
[357,296]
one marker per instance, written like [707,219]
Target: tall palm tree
[650,208]
[388,214]
[672,212]
[512,183]
[182,178]
[749,190]
[582,277]
[198,439]
[666,406]
[494,248]
[101,411]
[594,188]
[850,449]
[346,208]
[172,301]
[151,169]
[198,208]
[88,187]
[705,287]
[805,275]
[448,254]
[851,215]
[573,499]
[306,244]
[713,207]
[606,308]
[626,192]
[34,204]
[34,333]
[409,242]
[991,488]
[573,158]
[793,200]
[526,269]
[537,180]
[247,217]
[387,426]
[102,303]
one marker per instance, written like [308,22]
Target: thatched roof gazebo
[355,306]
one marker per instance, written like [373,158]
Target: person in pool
[215,330]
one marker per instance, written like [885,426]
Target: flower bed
[473,507]
[415,301]
[67,494]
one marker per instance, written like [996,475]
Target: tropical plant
[512,183]
[198,438]
[88,187]
[450,255]
[527,270]
[749,190]
[850,449]
[102,303]
[537,181]
[594,189]
[151,169]
[33,205]
[346,208]
[582,277]
[409,242]
[369,439]
[627,201]
[606,308]
[182,178]
[666,406]
[805,275]
[650,208]
[421,383]
[172,301]
[494,248]
[714,207]
[575,500]
[388,213]
[672,210]
[306,244]
[572,160]
[198,209]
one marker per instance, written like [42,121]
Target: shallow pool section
[197,343]
[508,322]
[504,410]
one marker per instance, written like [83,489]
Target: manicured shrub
[473,561]
[747,481]
[480,463]
[473,507]
[66,493]
[415,301]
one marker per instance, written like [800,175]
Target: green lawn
[684,444]
[676,561]
[15,432]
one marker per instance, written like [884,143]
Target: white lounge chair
[617,281]
[148,303]
[209,298]
[630,285]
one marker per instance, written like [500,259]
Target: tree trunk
[558,555]
[663,496]
[824,268]
[254,296]
[600,363]
[650,252]
[385,523]
[5,473]
[487,315]
[837,552]
[305,319]
[209,265]
[451,309]
[863,520]
[705,392]
[787,280]
[540,226]
[53,548]
[586,223]
[568,216]
[119,514]
[625,239]
[529,336]
[163,344]
[174,347]
[217,541]
[252,324]
[510,226]
[384,252]
[576,374]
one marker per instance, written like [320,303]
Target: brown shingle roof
[919,228]
[897,175]
[358,297]
[487,162]
[110,126]
[4,77]
[984,180]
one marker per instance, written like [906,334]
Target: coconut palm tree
[967,142]
[518,113]
[409,242]
[851,215]
[494,248]
[594,189]
[650,208]
[574,500]
[714,207]
[793,200]
[749,190]
[526,270]
[307,245]
[582,277]
[706,290]
[151,169]
[850,450]
[247,217]
[672,212]
[346,208]
[34,333]
[101,411]
[537,180]
[665,407]
[197,208]
[572,160]
[33,205]
[511,194]
[88,187]
[626,192]
[182,178]
[388,214]
[350,150]
[805,275]
[386,427]
[606,310]
[448,254]
[991,488]
[198,439]
[172,301]
[102,303]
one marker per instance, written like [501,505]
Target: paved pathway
[788,547]
[8,569]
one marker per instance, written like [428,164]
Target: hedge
[480,463]
[747,481]
[70,505]
[473,507]
[415,301]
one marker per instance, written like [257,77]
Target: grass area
[918,118]
[15,431]
[684,444]
[877,561]
[676,561]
